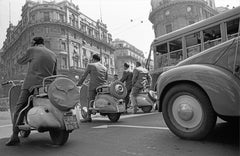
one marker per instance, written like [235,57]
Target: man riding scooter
[98,76]
[141,78]
[42,63]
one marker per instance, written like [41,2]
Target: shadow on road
[225,133]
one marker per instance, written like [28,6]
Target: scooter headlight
[119,88]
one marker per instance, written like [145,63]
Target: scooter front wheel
[114,117]
[25,134]
[58,136]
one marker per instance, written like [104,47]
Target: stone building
[125,52]
[73,36]
[169,15]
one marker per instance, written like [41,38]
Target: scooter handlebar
[6,83]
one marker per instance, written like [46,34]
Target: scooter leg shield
[108,104]
[143,100]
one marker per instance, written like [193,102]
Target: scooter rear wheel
[114,117]
[59,137]
[146,109]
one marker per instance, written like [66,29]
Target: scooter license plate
[121,108]
[70,122]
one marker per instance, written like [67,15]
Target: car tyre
[187,112]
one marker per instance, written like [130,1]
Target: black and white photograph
[119,77]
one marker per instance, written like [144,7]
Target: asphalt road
[133,135]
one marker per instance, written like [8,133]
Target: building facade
[127,53]
[73,36]
[169,15]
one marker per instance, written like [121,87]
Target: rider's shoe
[135,109]
[14,140]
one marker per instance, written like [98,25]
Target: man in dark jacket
[141,78]
[42,63]
[98,76]
[127,78]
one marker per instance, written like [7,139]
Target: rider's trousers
[21,103]
[134,93]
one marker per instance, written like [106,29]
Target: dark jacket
[127,78]
[141,77]
[98,75]
[42,63]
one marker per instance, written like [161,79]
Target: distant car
[197,90]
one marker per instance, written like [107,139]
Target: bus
[171,48]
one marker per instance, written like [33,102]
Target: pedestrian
[141,78]
[42,63]
[98,76]
[127,79]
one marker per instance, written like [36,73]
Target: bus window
[162,49]
[161,55]
[193,44]
[232,28]
[212,36]
[176,52]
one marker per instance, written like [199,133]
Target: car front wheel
[188,113]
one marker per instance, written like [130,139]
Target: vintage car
[201,88]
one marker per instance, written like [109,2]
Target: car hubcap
[187,111]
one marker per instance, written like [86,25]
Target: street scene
[140,134]
[124,78]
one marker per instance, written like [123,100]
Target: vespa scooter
[50,108]
[108,102]
[146,99]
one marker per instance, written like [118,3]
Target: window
[111,61]
[62,31]
[63,62]
[162,49]
[175,45]
[46,16]
[84,52]
[61,17]
[193,39]
[189,8]
[212,36]
[168,28]
[232,28]
[193,44]
[176,51]
[63,46]
[33,17]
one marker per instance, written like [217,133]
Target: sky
[125,19]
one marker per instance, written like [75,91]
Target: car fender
[220,85]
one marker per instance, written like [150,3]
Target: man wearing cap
[141,78]
[98,76]
[127,78]
[42,63]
